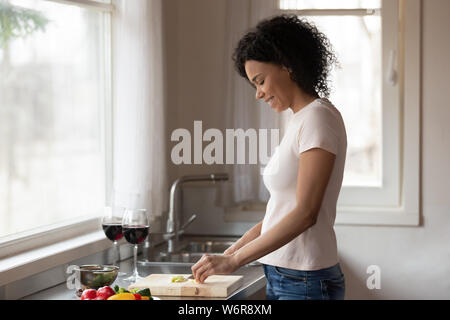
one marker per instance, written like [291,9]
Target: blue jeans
[290,284]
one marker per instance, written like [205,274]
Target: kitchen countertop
[253,285]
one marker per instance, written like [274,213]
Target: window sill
[37,260]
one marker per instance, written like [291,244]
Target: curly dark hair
[292,42]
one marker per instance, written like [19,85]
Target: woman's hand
[214,264]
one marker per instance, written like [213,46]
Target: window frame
[15,244]
[398,203]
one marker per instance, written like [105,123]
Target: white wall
[194,44]
[414,262]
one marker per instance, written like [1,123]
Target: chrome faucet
[173,231]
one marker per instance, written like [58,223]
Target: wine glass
[112,227]
[135,229]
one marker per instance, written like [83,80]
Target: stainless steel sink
[179,257]
[206,246]
[190,250]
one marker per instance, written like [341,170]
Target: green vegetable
[118,290]
[144,292]
[179,279]
[123,290]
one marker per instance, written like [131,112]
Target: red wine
[135,234]
[113,231]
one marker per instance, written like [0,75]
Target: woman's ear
[289,71]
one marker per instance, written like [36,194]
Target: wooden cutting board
[214,286]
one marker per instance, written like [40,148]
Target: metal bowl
[95,276]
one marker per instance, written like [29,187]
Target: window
[357,95]
[376,100]
[55,107]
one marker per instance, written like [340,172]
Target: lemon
[179,279]
[122,296]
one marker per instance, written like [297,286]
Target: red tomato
[137,296]
[105,292]
[89,294]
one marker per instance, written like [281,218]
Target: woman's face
[273,84]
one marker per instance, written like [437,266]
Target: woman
[287,60]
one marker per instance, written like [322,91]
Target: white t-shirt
[317,125]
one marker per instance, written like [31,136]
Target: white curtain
[242,110]
[139,161]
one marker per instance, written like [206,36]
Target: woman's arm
[314,171]
[250,235]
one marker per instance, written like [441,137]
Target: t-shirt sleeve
[319,129]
